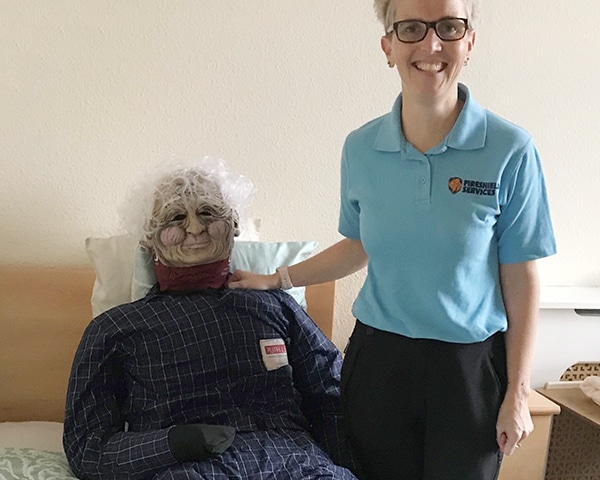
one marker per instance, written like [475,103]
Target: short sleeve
[349,221]
[524,226]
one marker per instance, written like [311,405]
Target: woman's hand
[514,424]
[341,259]
[520,292]
[256,281]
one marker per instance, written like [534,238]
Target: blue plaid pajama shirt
[173,358]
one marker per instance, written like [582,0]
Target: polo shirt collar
[468,133]
[390,137]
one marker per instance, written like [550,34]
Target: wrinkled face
[429,68]
[191,224]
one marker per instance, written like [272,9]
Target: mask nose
[194,226]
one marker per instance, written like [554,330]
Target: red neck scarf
[210,275]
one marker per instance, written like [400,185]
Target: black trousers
[423,409]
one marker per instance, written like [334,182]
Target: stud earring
[466,62]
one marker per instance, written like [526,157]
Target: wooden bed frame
[43,312]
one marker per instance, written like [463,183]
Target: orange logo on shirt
[455,184]
[473,187]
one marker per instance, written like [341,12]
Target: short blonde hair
[386,11]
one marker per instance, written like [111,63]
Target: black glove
[197,441]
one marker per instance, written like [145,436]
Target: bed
[43,312]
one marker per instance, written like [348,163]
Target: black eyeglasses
[448,29]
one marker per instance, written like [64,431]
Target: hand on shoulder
[256,281]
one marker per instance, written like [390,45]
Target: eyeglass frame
[393,28]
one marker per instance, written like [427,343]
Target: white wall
[93,92]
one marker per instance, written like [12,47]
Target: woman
[446,203]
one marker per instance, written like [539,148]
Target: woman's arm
[341,259]
[520,292]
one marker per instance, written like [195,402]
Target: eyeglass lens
[448,29]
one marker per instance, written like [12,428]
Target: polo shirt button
[423,180]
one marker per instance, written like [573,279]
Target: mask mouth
[197,241]
[195,246]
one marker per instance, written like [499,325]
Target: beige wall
[92,92]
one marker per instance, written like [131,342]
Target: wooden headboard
[43,312]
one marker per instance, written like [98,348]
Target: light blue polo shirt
[436,225]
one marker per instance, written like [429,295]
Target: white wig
[235,190]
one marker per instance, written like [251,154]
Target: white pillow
[112,259]
[125,271]
[36,435]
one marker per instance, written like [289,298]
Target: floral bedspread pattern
[32,464]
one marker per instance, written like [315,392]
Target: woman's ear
[471,41]
[386,46]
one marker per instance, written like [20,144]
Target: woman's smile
[430,67]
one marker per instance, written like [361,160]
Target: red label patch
[275,349]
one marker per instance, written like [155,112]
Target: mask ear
[236,224]
[146,242]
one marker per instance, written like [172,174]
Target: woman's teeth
[429,67]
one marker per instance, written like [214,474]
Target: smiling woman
[437,200]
